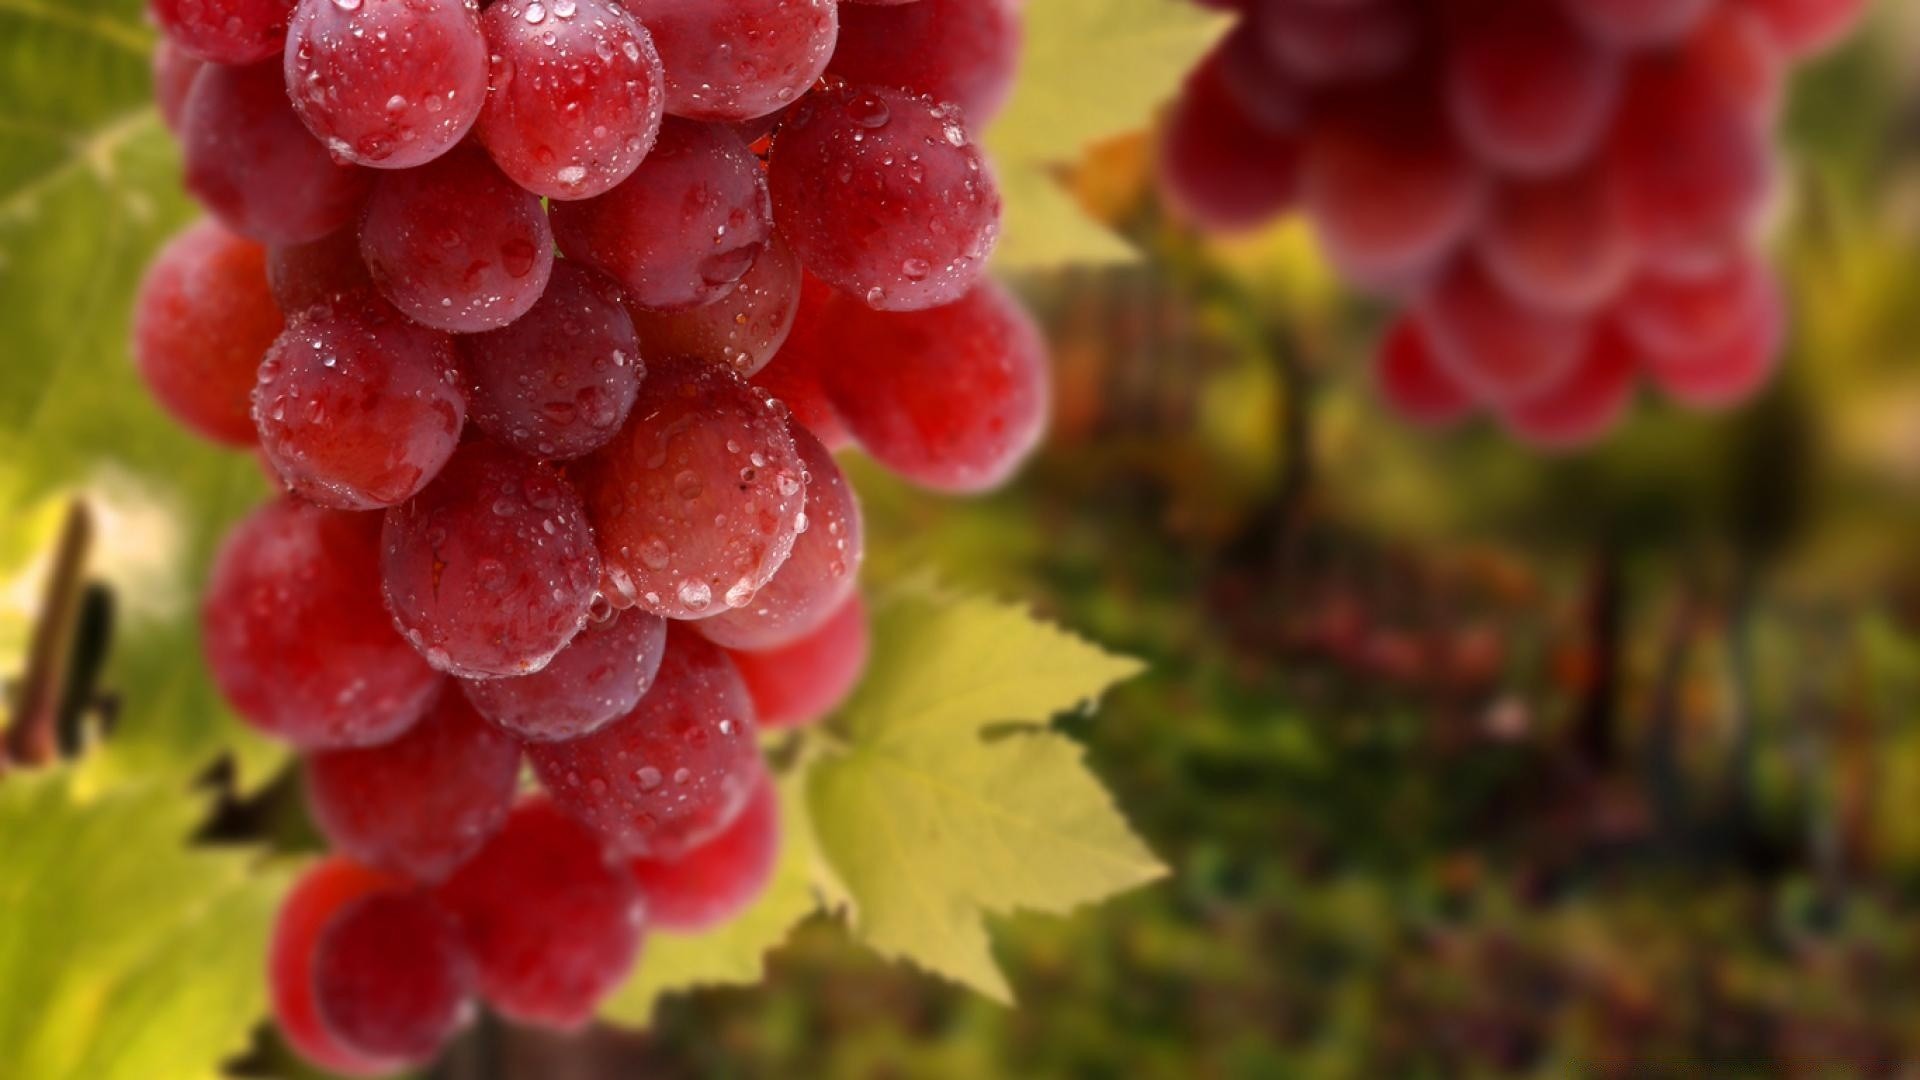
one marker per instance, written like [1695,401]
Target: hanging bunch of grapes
[548,315]
[1563,196]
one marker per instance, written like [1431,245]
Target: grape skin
[202,321]
[1502,350]
[959,51]
[803,681]
[224,31]
[321,892]
[295,634]
[599,677]
[1220,167]
[1560,244]
[419,805]
[792,376]
[737,59]
[174,70]
[358,408]
[1413,382]
[491,570]
[1732,369]
[390,977]
[1675,316]
[1588,401]
[716,881]
[305,275]
[742,329]
[1527,91]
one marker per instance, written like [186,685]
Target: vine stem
[32,739]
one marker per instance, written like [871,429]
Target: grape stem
[32,738]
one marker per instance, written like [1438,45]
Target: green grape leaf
[1089,70]
[949,802]
[124,968]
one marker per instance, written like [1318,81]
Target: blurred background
[1466,760]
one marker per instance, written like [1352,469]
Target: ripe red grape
[251,163]
[552,927]
[1638,23]
[490,570]
[357,406]
[684,228]
[820,574]
[731,60]
[576,95]
[1221,168]
[672,773]
[1583,404]
[303,275]
[1526,89]
[884,196]
[1675,316]
[390,977]
[716,881]
[421,804]
[1501,349]
[1803,28]
[202,321]
[599,677]
[1413,382]
[1321,42]
[173,72]
[953,398]
[742,329]
[310,906]
[793,375]
[456,245]
[962,51]
[1732,369]
[386,83]
[1733,50]
[224,31]
[1559,243]
[697,501]
[801,682]
[559,382]
[296,636]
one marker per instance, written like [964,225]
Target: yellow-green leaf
[116,967]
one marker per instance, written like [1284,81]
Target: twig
[33,738]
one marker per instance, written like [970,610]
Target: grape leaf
[1089,70]
[936,813]
[114,966]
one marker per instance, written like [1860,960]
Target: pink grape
[793,375]
[1582,405]
[1560,244]
[802,681]
[1734,52]
[954,398]
[820,574]
[357,406]
[386,83]
[1263,91]
[552,927]
[599,677]
[490,571]
[1219,167]
[1413,382]
[730,60]
[1674,316]
[577,95]
[390,977]
[322,891]
[1498,347]
[202,321]
[962,51]
[1526,90]
[684,228]
[558,382]
[421,804]
[251,163]
[1638,23]
[456,245]
[716,881]
[742,329]
[1804,28]
[224,31]
[173,73]
[672,773]
[295,634]
[1734,368]
[885,196]
[1336,42]
[305,275]
[697,501]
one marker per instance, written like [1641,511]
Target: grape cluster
[548,316]
[1562,196]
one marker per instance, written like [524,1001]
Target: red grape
[1316,41]
[1733,50]
[387,83]
[1583,405]
[252,164]
[322,891]
[820,574]
[1638,23]
[559,382]
[1220,168]
[716,881]
[1253,81]
[962,51]
[953,398]
[1732,369]
[391,978]
[1501,349]
[421,804]
[358,407]
[884,196]
[224,31]
[1413,382]
[742,329]
[733,60]
[1527,90]
[793,375]
[684,228]
[296,636]
[1675,316]
[202,321]
[576,96]
[1558,244]
[173,72]
[551,926]
[303,275]
[1805,27]
[672,773]
[491,569]
[599,677]
[456,245]
[698,499]
[801,682]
